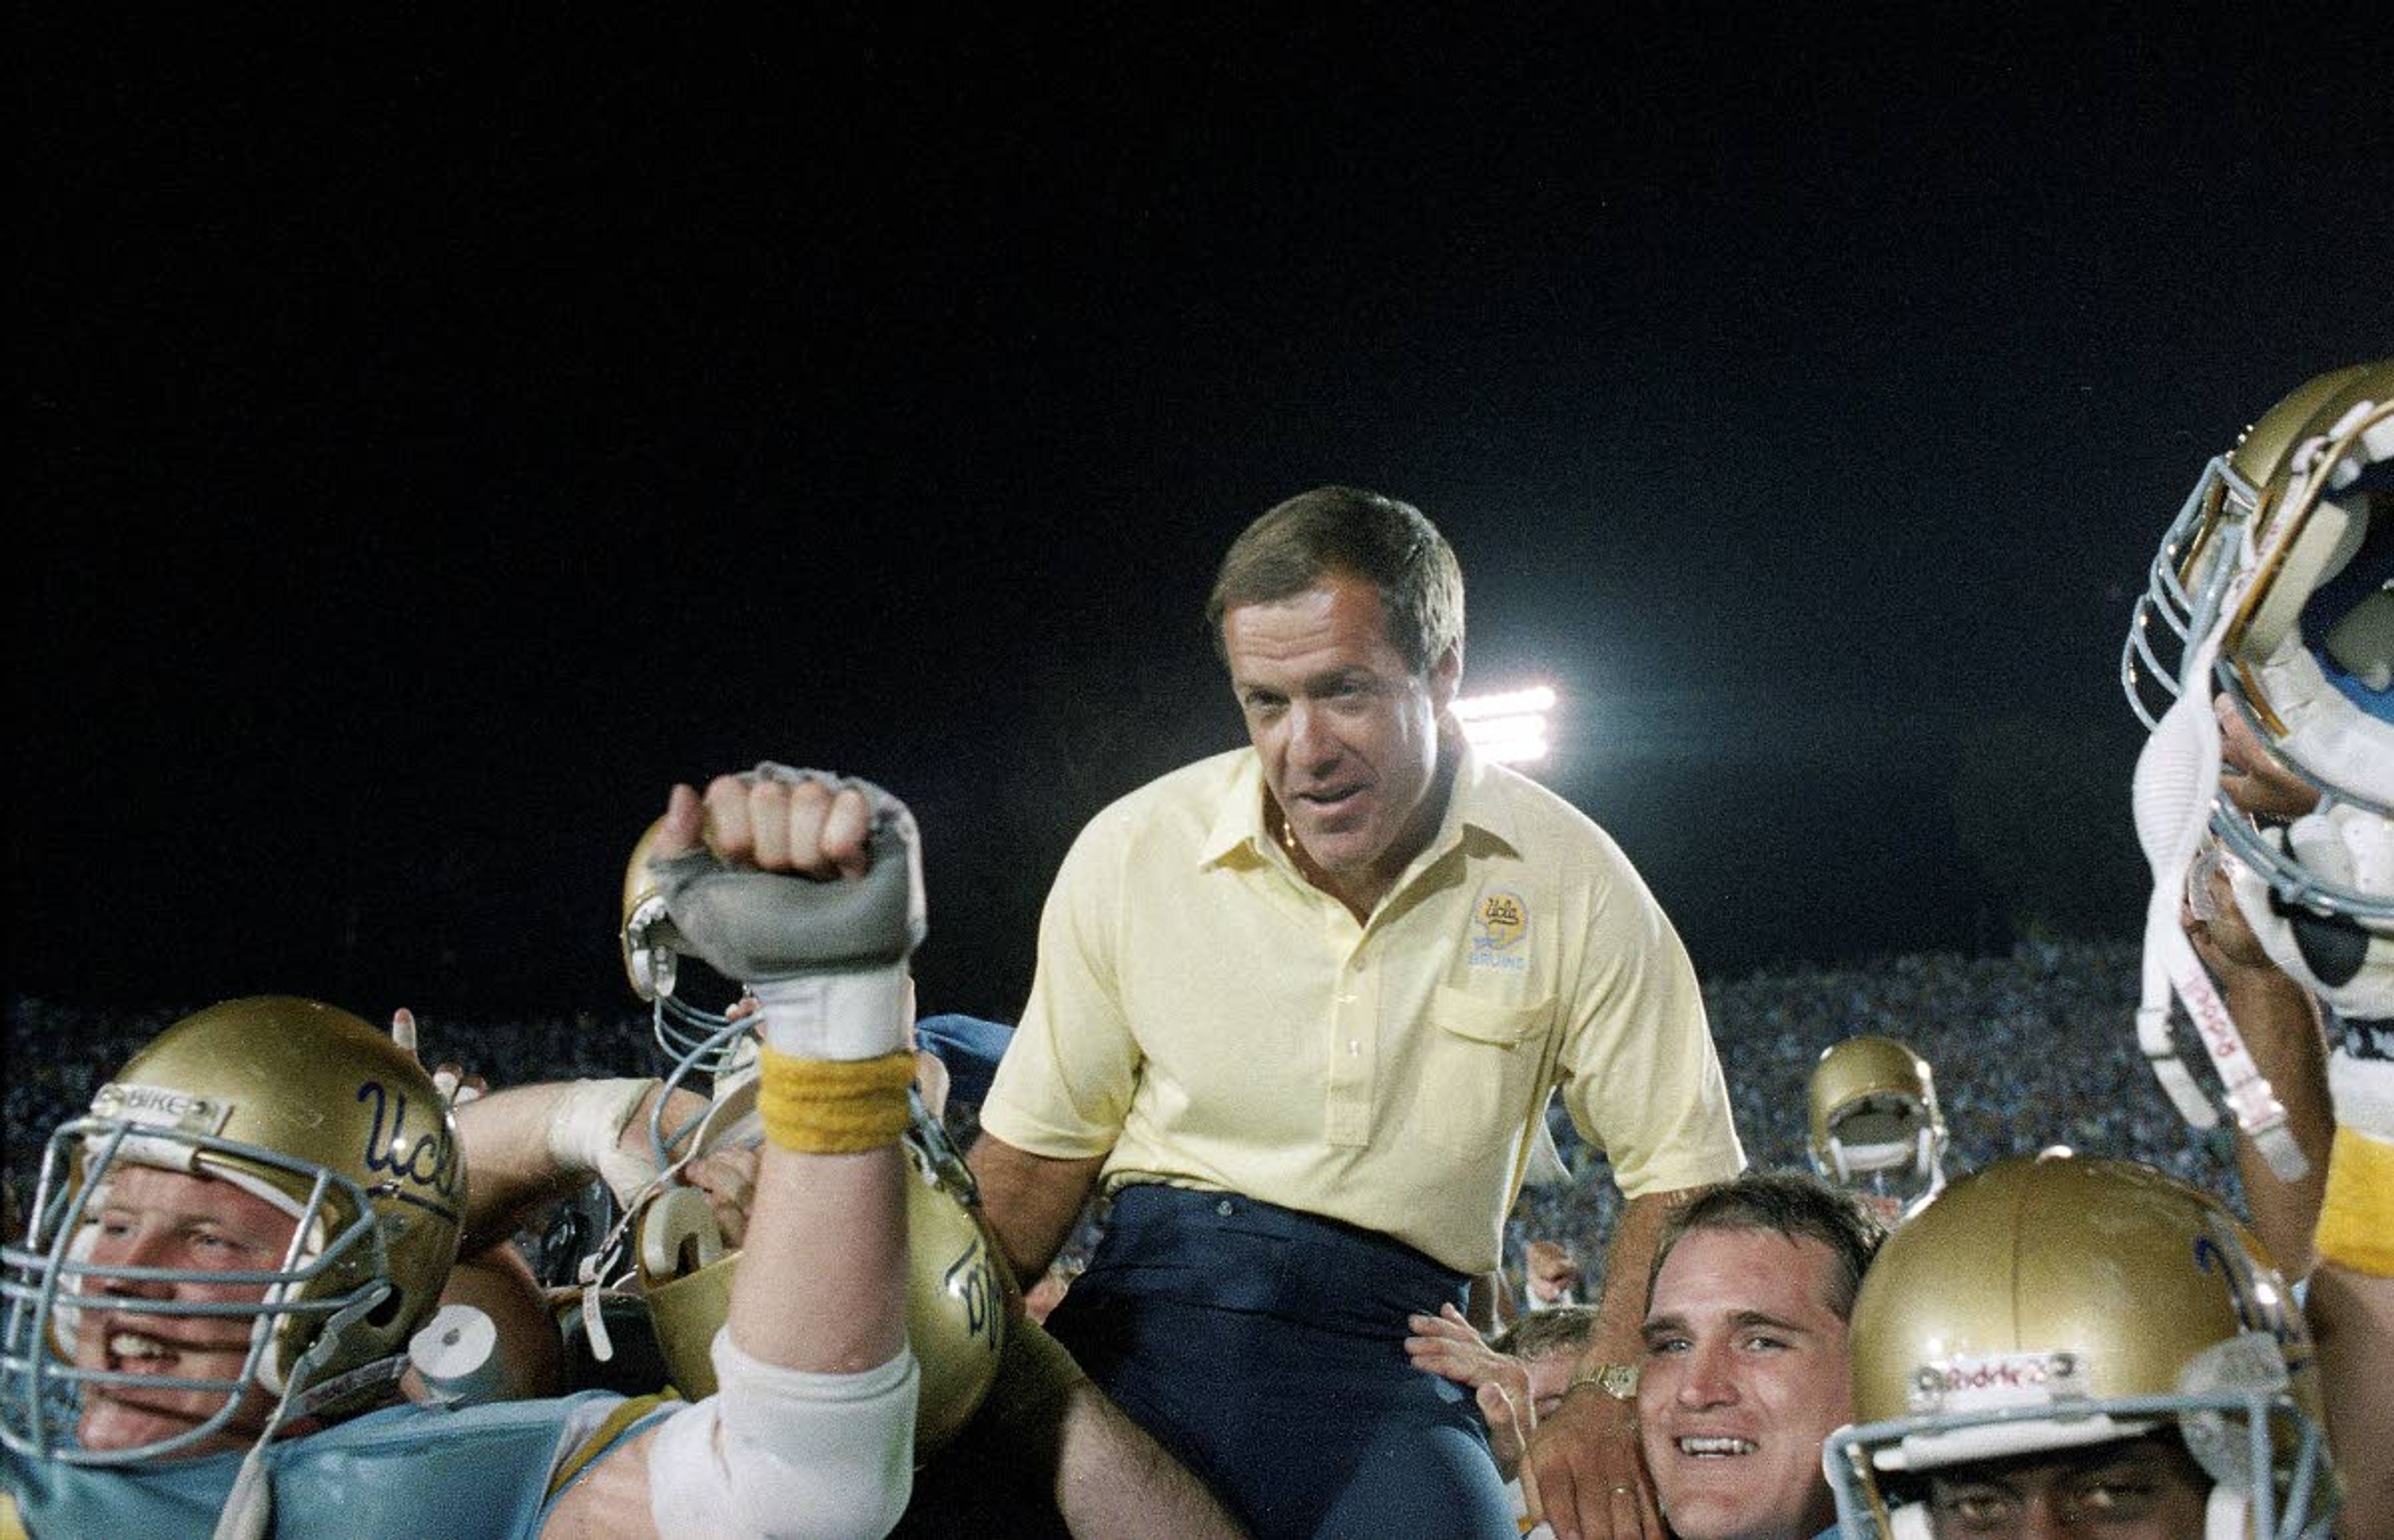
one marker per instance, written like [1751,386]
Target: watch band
[1617,1380]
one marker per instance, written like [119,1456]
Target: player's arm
[2352,1317]
[1449,1346]
[1644,1083]
[809,890]
[529,1146]
[2284,1031]
[1585,1460]
[2352,1296]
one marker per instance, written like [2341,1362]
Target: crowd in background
[2033,1049]
[2030,1050]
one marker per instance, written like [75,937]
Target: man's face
[155,1219]
[1745,1373]
[2139,1489]
[1552,1272]
[1349,734]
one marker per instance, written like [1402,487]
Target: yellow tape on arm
[2356,1226]
[833,1106]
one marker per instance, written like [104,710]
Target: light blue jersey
[406,1470]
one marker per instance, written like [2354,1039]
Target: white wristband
[847,1015]
[586,1134]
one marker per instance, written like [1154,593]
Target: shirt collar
[1475,807]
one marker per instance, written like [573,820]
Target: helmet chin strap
[249,1507]
[2177,780]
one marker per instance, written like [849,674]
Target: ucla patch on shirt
[1500,927]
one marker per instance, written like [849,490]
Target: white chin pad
[2349,847]
[1865,1159]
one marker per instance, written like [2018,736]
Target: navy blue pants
[970,1049]
[1265,1348]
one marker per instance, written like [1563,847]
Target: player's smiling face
[1746,1373]
[1348,733]
[155,1219]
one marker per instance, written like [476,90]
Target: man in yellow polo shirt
[1298,1006]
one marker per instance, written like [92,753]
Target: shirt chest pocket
[1479,1066]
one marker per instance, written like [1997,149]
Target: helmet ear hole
[2333,945]
[385,1311]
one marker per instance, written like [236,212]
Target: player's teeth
[1715,1446]
[127,1345]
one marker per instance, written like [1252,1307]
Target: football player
[2263,657]
[230,1258]
[1874,1124]
[1746,1368]
[2269,605]
[1011,1438]
[2069,1346]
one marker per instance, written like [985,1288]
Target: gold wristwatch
[1617,1380]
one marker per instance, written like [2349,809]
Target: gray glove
[761,926]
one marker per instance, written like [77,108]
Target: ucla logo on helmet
[972,1278]
[418,1164]
[1499,924]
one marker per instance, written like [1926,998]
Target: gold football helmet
[691,1038]
[2051,1302]
[2273,588]
[2280,568]
[299,1104]
[1874,1125]
[961,1299]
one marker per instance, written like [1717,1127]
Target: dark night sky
[439,438]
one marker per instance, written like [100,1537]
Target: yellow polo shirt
[1204,1015]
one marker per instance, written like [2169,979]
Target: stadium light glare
[1510,727]
[1537,698]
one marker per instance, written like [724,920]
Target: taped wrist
[834,1107]
[784,1452]
[859,1014]
[586,1134]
